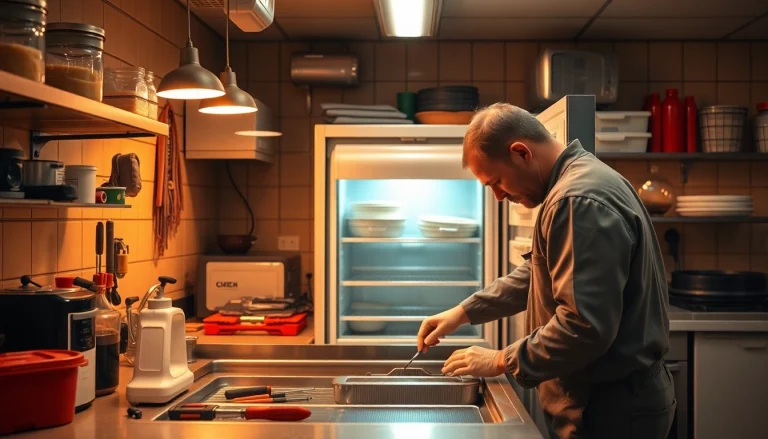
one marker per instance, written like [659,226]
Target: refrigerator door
[411,234]
[571,118]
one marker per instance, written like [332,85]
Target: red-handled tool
[209,412]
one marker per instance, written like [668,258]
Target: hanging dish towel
[169,201]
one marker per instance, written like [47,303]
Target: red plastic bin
[38,389]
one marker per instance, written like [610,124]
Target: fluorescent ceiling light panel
[408,18]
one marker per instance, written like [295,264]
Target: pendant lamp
[190,80]
[235,100]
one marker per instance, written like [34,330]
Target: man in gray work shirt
[594,287]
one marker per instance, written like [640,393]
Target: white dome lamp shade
[190,80]
[235,100]
[264,123]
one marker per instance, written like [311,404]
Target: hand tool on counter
[209,412]
[260,390]
[267,399]
[412,358]
[99,245]
[113,295]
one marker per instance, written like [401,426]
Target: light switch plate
[288,243]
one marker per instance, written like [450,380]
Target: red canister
[38,389]
[653,104]
[691,124]
[672,122]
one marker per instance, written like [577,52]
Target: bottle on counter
[653,104]
[672,122]
[107,339]
[691,124]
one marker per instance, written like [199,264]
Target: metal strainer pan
[393,389]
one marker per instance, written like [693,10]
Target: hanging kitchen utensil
[99,245]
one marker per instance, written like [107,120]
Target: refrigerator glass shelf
[447,276]
[391,314]
[412,240]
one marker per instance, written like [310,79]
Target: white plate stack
[714,205]
[432,226]
[376,219]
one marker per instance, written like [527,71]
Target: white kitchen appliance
[572,117]
[264,275]
[160,371]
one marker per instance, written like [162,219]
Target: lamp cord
[226,33]
[189,24]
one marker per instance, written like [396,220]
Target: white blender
[160,369]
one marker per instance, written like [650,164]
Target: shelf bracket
[38,140]
[684,171]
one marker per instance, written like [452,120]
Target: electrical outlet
[288,243]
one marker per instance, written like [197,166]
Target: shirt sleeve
[588,252]
[506,296]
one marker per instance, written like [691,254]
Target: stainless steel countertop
[683,320]
[107,419]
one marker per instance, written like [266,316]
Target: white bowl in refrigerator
[377,228]
[376,210]
[447,221]
[447,232]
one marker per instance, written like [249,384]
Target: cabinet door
[730,385]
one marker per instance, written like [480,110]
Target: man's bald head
[494,128]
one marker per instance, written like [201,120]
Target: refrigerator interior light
[408,18]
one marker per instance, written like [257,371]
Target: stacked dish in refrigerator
[715,205]
[621,131]
[432,226]
[376,219]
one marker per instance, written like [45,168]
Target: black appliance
[11,171]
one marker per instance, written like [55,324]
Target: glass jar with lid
[126,88]
[22,38]
[74,58]
[149,78]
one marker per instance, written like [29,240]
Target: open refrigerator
[573,117]
[402,232]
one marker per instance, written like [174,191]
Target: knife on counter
[209,412]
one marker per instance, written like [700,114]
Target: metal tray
[406,390]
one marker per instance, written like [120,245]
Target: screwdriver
[265,399]
[258,390]
[209,412]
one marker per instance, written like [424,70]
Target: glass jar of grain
[73,60]
[126,88]
[22,38]
[149,77]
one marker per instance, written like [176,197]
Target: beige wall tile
[46,213]
[491,92]
[702,174]
[295,203]
[265,202]
[455,62]
[699,61]
[386,92]
[235,227]
[93,154]
[286,51]
[705,93]
[238,53]
[416,86]
[759,61]
[44,247]
[266,232]
[488,61]
[88,241]
[231,206]
[759,94]
[733,262]
[296,170]
[296,134]
[302,229]
[759,263]
[517,94]
[700,190]
[733,93]
[759,174]
[666,61]
[593,46]
[239,171]
[699,261]
[519,59]
[733,190]
[390,61]
[141,249]
[17,213]
[760,201]
[262,62]
[733,62]
[72,11]
[324,96]
[759,238]
[276,95]
[366,59]
[631,95]
[422,61]
[17,249]
[307,266]
[670,171]
[70,241]
[733,174]
[635,172]
[264,174]
[633,61]
[363,94]
[733,238]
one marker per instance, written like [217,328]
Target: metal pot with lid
[43,173]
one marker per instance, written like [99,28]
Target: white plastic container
[83,178]
[621,121]
[621,142]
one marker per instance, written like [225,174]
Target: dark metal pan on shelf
[718,282]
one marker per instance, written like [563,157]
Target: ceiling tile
[510,28]
[661,28]
[323,9]
[520,8]
[755,31]
[685,8]
[330,28]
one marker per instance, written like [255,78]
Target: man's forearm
[506,296]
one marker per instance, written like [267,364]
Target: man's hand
[475,361]
[440,325]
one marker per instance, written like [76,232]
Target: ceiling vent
[248,15]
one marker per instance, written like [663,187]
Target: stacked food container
[621,131]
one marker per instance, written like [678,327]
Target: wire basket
[761,137]
[722,128]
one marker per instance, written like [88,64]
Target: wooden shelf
[698,156]
[36,107]
[21,203]
[708,219]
